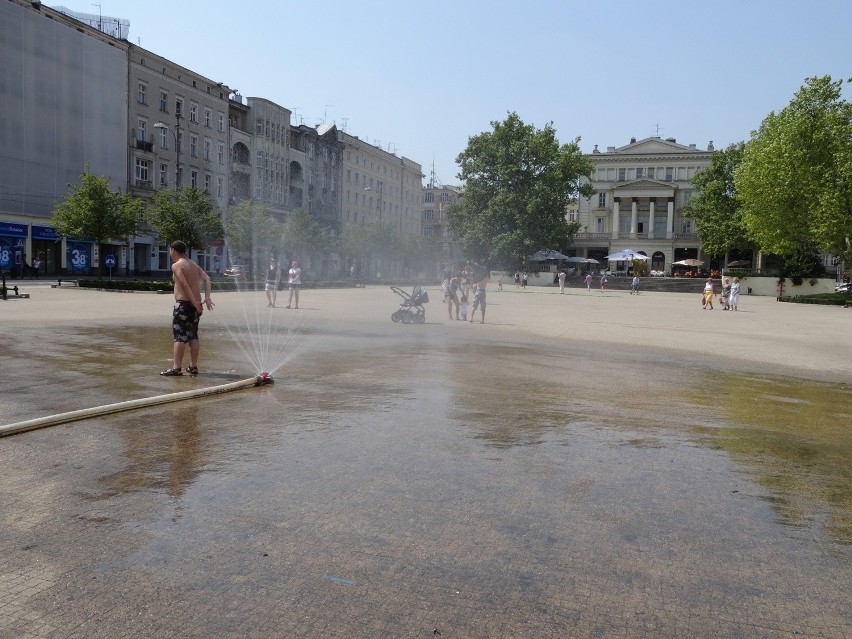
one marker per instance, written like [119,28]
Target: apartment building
[177,136]
[379,187]
[436,198]
[641,189]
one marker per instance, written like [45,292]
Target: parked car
[843,288]
[236,270]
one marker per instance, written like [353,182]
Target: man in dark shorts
[188,308]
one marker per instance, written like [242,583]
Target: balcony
[142,145]
[144,184]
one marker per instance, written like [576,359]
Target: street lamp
[163,125]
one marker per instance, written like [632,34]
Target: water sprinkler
[264,378]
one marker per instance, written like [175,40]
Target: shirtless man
[187,276]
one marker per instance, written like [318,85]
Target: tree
[716,208]
[795,181]
[518,182]
[252,231]
[92,212]
[185,214]
[303,234]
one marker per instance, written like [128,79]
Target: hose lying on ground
[109,409]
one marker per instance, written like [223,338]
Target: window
[193,179]
[445,197]
[208,116]
[429,214]
[179,107]
[669,173]
[207,179]
[141,130]
[164,174]
[258,192]
[258,159]
[221,122]
[651,173]
[622,175]
[220,186]
[193,146]
[220,152]
[207,147]
[429,197]
[601,200]
[640,173]
[142,168]
[193,112]
[600,225]
[143,93]
[164,101]
[258,126]
[164,139]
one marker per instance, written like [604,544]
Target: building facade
[641,190]
[177,136]
[435,200]
[63,108]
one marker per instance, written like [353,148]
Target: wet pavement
[568,469]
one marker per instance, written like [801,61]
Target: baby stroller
[411,309]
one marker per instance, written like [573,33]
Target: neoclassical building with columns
[640,191]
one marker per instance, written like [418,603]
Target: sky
[419,78]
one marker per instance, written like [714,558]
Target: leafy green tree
[185,214]
[303,234]
[253,233]
[518,183]
[92,212]
[716,208]
[795,181]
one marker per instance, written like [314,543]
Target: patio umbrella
[689,262]
[738,263]
[626,255]
[541,256]
[578,260]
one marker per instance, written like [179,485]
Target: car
[236,271]
[843,288]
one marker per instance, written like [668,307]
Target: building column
[616,220]
[634,217]
[652,201]
[670,219]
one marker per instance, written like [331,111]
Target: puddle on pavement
[790,436]
[793,438]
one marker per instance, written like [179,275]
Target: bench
[67,283]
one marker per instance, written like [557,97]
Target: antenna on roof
[657,127]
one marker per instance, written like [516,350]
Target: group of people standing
[729,298]
[273,278]
[458,286]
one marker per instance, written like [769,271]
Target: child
[499,283]
[463,307]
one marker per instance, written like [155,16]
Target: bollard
[3,287]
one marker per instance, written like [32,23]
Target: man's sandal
[172,372]
[192,370]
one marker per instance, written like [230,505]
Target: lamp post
[163,125]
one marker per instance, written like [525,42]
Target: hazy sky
[422,77]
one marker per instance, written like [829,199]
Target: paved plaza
[581,465]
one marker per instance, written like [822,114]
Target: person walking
[735,294]
[561,275]
[187,276]
[726,294]
[634,285]
[273,276]
[451,295]
[294,282]
[517,279]
[603,283]
[36,265]
[588,281]
[707,295]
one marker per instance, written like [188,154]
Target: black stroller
[411,309]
